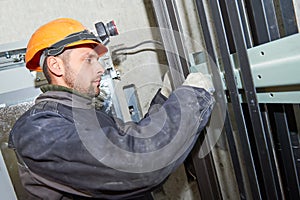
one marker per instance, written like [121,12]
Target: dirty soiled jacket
[67,149]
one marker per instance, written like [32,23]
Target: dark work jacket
[67,149]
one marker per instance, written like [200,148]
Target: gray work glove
[197,79]
[200,80]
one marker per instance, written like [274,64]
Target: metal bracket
[275,70]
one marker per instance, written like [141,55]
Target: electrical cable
[135,46]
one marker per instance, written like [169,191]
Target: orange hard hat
[53,37]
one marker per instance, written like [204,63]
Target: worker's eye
[91,58]
[88,60]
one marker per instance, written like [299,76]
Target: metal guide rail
[275,70]
[274,66]
[257,45]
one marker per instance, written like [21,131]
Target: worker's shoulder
[49,108]
[42,119]
[44,113]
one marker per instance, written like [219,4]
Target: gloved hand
[200,80]
[166,88]
[197,79]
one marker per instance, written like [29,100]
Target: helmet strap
[42,59]
[59,47]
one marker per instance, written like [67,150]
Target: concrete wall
[19,18]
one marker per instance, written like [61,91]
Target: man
[68,149]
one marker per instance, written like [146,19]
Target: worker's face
[83,70]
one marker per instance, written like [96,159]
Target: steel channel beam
[220,94]
[292,188]
[290,28]
[257,19]
[245,23]
[234,157]
[265,162]
[234,97]
[169,24]
[279,97]
[206,174]
[271,147]
[289,59]
[288,17]
[176,26]
[267,61]
[277,84]
[271,19]
[283,115]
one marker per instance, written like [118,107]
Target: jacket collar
[65,96]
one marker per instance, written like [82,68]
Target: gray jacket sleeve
[102,157]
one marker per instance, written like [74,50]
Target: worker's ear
[55,65]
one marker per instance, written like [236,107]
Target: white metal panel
[6,188]
[15,79]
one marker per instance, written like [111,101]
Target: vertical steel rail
[254,110]
[169,23]
[290,179]
[292,173]
[219,94]
[176,26]
[288,17]
[257,17]
[206,174]
[272,33]
[234,97]
[283,118]
[271,19]
[245,23]
[279,112]
[271,147]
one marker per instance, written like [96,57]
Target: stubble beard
[71,81]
